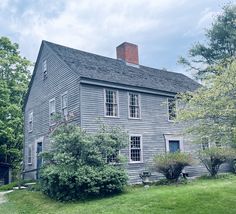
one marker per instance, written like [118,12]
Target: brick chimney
[128,52]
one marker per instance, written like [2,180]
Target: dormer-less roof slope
[113,70]
[101,68]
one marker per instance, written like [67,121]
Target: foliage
[64,185]
[172,164]
[14,78]
[214,157]
[76,166]
[210,111]
[220,48]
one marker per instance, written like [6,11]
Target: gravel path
[2,196]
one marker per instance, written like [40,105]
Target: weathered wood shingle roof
[102,68]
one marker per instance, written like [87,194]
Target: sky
[164,30]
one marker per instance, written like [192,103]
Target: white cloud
[98,26]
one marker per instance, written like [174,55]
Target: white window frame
[62,108]
[30,121]
[141,148]
[168,114]
[45,69]
[30,150]
[208,141]
[173,137]
[117,97]
[139,106]
[50,121]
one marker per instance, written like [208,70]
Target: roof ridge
[110,58]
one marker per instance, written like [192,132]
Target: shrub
[14,184]
[77,166]
[172,164]
[214,157]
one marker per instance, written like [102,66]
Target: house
[118,92]
[5,173]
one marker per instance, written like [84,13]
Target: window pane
[111,103]
[134,105]
[135,148]
[174,146]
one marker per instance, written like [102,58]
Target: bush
[14,184]
[214,157]
[77,166]
[172,164]
[64,185]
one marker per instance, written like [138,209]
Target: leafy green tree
[78,164]
[220,48]
[14,79]
[214,157]
[211,110]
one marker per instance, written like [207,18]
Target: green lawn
[201,196]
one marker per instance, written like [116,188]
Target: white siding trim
[169,137]
[141,147]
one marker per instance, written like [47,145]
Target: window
[134,105]
[111,103]
[30,123]
[171,109]
[30,155]
[45,72]
[64,104]
[135,149]
[52,111]
[205,143]
[113,158]
[174,146]
[174,143]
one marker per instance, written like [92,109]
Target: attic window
[45,71]
[30,122]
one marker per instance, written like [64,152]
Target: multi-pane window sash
[52,111]
[30,121]
[134,108]
[29,155]
[112,159]
[135,149]
[171,109]
[111,103]
[64,104]
[45,72]
[205,145]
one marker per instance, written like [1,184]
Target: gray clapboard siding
[60,79]
[152,125]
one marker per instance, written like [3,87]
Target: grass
[201,196]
